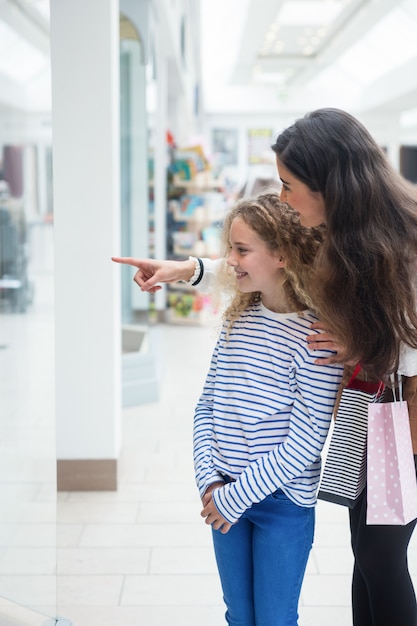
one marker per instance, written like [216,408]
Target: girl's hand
[207,495]
[213,517]
[325,340]
[150,271]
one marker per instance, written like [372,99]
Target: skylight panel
[219,36]
[409,118]
[389,44]
[19,60]
[309,12]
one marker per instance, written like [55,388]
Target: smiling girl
[263,416]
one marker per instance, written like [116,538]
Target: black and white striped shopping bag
[344,474]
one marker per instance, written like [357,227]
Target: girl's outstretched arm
[150,272]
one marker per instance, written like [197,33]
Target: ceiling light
[314,12]
[279,47]
[269,78]
[275,27]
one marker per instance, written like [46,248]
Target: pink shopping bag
[391,474]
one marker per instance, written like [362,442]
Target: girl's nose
[231,260]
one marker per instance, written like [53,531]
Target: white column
[85,117]
[161,164]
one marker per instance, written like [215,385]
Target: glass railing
[28,492]
[28,495]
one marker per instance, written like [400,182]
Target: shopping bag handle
[400,387]
[354,374]
[365,385]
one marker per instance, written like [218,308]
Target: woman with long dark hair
[364,287]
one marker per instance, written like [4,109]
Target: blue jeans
[262,560]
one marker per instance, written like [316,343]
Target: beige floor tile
[145,616]
[96,512]
[329,534]
[412,562]
[15,493]
[141,492]
[88,591]
[68,535]
[326,590]
[329,512]
[312,564]
[28,560]
[183,561]
[169,535]
[33,535]
[92,561]
[155,460]
[334,561]
[172,590]
[325,616]
[176,475]
[175,512]
[130,472]
[29,591]
[12,614]
[28,512]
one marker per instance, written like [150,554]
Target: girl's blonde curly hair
[279,227]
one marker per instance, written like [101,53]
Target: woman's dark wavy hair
[366,273]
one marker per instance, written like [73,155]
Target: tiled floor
[143,556]
[140,556]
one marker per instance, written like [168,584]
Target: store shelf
[188,307]
[196,210]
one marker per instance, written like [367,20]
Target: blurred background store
[128,128]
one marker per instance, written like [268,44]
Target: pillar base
[87,474]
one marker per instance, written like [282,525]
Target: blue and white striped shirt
[264,413]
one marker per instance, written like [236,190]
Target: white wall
[384,126]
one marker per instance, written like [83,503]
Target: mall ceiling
[364,51]
[292,41]
[291,50]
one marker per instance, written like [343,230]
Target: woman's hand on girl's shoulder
[324,339]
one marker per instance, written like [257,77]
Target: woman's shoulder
[408,361]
